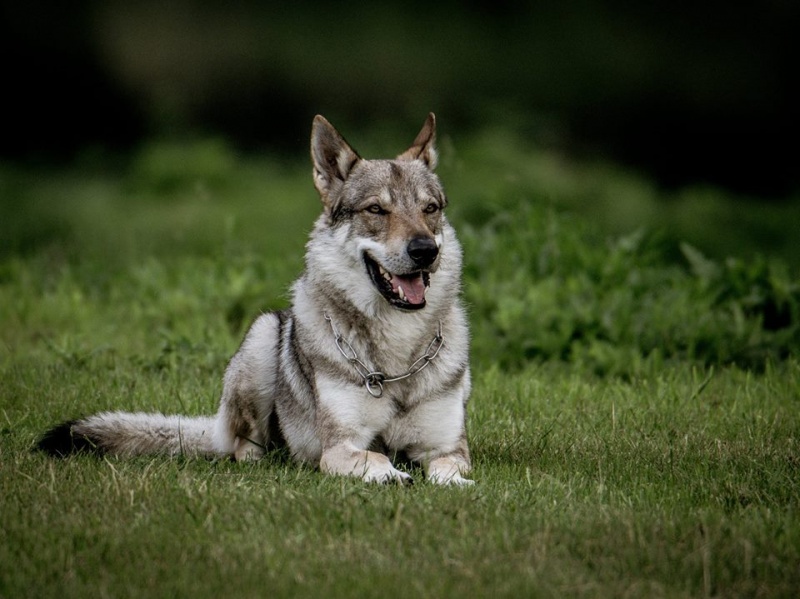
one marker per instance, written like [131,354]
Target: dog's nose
[423,251]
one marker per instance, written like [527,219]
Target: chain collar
[374,379]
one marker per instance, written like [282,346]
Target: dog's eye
[376,209]
[431,208]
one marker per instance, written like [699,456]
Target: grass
[634,423]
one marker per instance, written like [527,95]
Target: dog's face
[390,211]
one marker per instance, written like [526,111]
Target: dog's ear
[332,156]
[424,146]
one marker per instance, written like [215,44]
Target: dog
[371,361]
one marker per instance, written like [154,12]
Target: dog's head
[389,212]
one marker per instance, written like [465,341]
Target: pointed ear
[332,156]
[424,146]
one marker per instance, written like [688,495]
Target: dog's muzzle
[406,291]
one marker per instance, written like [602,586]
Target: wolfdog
[369,363]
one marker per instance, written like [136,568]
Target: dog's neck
[374,380]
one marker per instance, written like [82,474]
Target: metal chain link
[374,380]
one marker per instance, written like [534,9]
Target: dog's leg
[248,449]
[439,439]
[246,438]
[348,419]
[348,460]
[248,393]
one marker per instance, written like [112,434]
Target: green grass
[634,423]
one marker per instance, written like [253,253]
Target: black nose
[423,251]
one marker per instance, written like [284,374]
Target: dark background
[688,92]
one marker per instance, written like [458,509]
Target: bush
[543,286]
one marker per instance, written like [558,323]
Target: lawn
[634,423]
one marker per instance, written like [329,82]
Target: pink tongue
[413,287]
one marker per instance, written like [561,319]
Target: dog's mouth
[406,292]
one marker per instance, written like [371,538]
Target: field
[635,420]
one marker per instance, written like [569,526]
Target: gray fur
[288,382]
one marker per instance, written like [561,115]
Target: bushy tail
[131,434]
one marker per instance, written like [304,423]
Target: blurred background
[686,93]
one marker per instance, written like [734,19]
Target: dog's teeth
[387,276]
[401,293]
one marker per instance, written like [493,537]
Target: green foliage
[170,166]
[499,170]
[543,286]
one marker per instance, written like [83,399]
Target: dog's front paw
[369,466]
[377,470]
[454,479]
[395,476]
[449,471]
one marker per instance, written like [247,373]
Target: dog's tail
[132,434]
